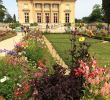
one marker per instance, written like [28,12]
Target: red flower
[18,92]
[26,87]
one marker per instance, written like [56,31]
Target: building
[46,11]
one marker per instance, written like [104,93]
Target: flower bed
[7,34]
[20,66]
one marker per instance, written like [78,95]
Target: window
[55,18]
[46,6]
[26,17]
[55,5]
[67,17]
[39,18]
[38,5]
[47,17]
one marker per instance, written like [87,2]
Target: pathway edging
[55,55]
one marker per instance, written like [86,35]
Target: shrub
[79,50]
[14,25]
[57,86]
[99,26]
[34,24]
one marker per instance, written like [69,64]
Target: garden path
[55,55]
[9,44]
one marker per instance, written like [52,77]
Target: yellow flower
[81,39]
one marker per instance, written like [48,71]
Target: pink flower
[105,90]
[94,63]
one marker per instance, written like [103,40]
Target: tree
[106,9]
[14,18]
[8,18]
[2,11]
[96,15]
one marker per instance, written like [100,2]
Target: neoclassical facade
[46,11]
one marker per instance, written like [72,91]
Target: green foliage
[33,24]
[79,51]
[14,25]
[33,51]
[14,18]
[8,18]
[106,9]
[99,26]
[13,73]
[2,11]
[95,16]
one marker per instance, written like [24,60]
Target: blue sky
[83,7]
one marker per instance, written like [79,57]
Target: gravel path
[9,44]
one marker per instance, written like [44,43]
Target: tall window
[26,17]
[67,17]
[39,18]
[55,18]
[47,17]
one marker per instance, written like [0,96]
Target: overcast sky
[83,7]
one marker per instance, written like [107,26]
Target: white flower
[20,53]
[4,79]
[19,85]
[26,58]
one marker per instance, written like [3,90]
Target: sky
[82,7]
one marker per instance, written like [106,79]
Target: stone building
[46,11]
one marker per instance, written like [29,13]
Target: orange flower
[40,64]
[1,98]
[26,87]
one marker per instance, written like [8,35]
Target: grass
[62,44]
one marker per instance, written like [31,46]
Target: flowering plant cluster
[21,46]
[20,66]
[97,80]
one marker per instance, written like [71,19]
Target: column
[51,14]
[58,13]
[43,14]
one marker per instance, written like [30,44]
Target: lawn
[62,44]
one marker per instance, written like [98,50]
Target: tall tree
[96,15]
[8,18]
[2,11]
[14,18]
[106,8]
